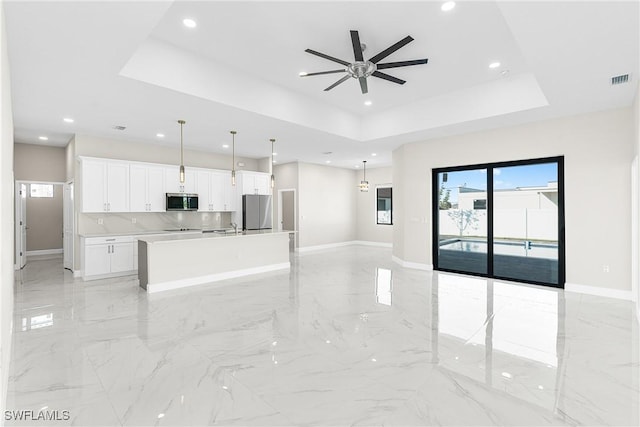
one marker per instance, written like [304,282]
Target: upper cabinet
[105,186]
[215,192]
[146,188]
[254,182]
[120,186]
[172,180]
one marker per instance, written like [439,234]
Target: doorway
[287,214]
[501,220]
[40,228]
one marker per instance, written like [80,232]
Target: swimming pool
[510,248]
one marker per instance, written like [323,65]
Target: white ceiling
[135,64]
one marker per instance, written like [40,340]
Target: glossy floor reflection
[345,338]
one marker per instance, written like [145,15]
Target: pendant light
[182,122]
[273,178]
[364,184]
[233,164]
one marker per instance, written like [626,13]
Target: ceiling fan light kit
[361,69]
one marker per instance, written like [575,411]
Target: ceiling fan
[361,69]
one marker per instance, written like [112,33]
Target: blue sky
[503,178]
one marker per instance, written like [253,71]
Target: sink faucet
[235,227]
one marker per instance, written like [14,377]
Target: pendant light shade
[273,178]
[182,122]
[364,184]
[233,159]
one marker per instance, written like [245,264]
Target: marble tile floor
[345,338]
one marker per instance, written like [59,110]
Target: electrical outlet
[100,221]
[605,268]
[133,220]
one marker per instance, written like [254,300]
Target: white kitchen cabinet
[255,182]
[215,192]
[107,256]
[172,180]
[146,188]
[105,186]
[205,198]
[225,193]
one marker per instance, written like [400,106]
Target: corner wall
[326,205]
[6,214]
[636,220]
[598,149]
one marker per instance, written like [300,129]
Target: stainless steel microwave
[182,202]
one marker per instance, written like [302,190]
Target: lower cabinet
[105,256]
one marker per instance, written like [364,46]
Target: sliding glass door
[462,220]
[502,220]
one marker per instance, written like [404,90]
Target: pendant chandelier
[182,122]
[273,178]
[364,184]
[233,157]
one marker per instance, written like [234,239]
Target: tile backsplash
[103,223]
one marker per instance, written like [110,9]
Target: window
[480,204]
[384,205]
[41,190]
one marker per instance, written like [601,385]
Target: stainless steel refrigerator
[256,212]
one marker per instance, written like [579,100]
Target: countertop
[159,232]
[193,236]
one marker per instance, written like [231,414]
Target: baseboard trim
[44,252]
[413,265]
[77,273]
[601,292]
[370,243]
[178,284]
[342,244]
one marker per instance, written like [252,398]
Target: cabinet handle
[104,207]
[109,206]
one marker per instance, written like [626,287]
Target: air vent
[119,127]
[617,80]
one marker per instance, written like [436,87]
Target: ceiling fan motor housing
[361,69]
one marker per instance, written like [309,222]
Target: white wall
[286,176]
[598,149]
[326,205]
[366,227]
[636,220]
[6,214]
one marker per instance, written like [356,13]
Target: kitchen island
[178,261]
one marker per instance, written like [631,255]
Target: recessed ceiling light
[328,161]
[373,154]
[356,166]
[447,6]
[275,161]
[160,135]
[43,138]
[367,103]
[225,145]
[68,120]
[302,73]
[189,23]
[494,65]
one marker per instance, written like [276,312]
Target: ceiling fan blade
[388,51]
[357,47]
[388,77]
[363,85]
[323,72]
[342,80]
[330,58]
[401,64]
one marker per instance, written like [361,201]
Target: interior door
[288,216]
[21,225]
[68,227]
